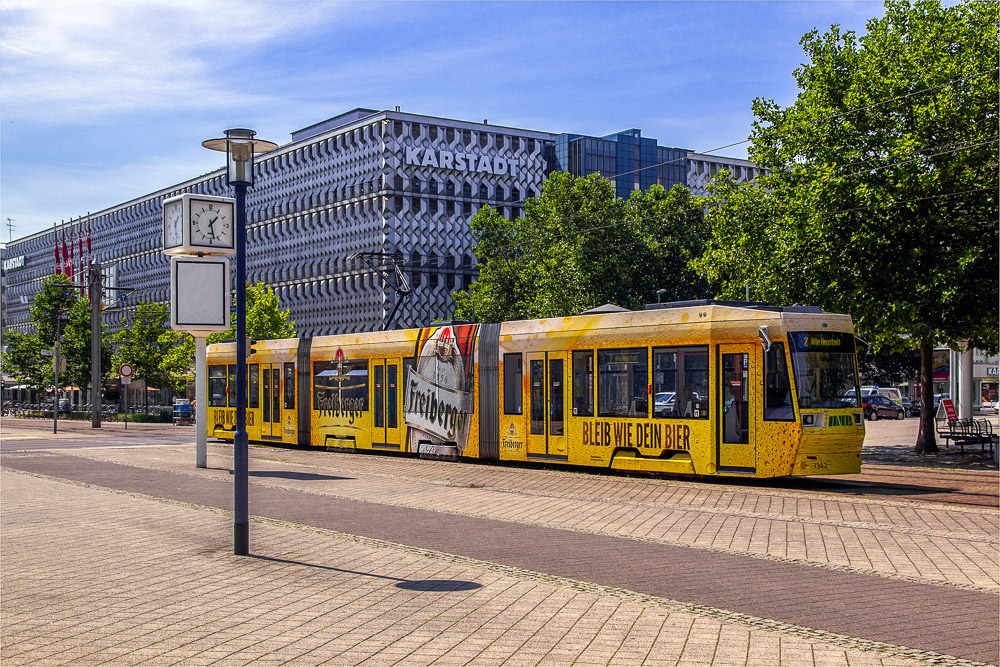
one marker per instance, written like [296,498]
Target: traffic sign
[48,353]
[126,370]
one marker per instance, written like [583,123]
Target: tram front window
[825,368]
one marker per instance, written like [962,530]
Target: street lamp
[239,146]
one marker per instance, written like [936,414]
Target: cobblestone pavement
[94,575]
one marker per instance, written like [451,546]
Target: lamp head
[239,146]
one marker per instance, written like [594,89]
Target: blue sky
[102,102]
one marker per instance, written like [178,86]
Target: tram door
[736,445]
[385,404]
[270,380]
[547,405]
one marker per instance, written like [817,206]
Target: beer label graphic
[438,394]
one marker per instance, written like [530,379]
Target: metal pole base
[241,539]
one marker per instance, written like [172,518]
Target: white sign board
[199,294]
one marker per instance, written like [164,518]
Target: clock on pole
[199,225]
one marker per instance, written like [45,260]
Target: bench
[967,431]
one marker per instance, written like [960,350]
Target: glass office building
[630,160]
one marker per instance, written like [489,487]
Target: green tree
[22,360]
[57,307]
[156,354]
[265,319]
[77,346]
[579,246]
[881,200]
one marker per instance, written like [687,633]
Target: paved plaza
[122,554]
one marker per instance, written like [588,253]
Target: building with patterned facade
[401,184]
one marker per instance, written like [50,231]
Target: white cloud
[61,59]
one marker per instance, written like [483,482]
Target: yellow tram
[694,388]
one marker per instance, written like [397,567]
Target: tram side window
[340,388]
[621,383]
[231,387]
[512,384]
[289,386]
[217,386]
[253,372]
[680,382]
[583,383]
[777,388]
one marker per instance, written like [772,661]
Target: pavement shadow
[302,476]
[439,585]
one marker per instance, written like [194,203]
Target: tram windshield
[825,368]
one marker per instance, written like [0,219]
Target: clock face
[211,223]
[173,220]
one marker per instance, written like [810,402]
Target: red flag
[55,247]
[65,250]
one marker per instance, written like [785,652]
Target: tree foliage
[579,246]
[158,356]
[57,308]
[265,319]
[881,199]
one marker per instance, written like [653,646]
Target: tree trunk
[926,442]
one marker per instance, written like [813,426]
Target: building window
[484,140]
[466,208]
[397,182]
[513,403]
[450,208]
[515,195]
[432,186]
[484,192]
[415,184]
[467,190]
[450,135]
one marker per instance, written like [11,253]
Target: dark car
[877,407]
[910,407]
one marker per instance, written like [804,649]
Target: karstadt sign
[482,164]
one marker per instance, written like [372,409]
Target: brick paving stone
[568,613]
[961,544]
[961,528]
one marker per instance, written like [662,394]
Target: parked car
[909,407]
[663,403]
[878,407]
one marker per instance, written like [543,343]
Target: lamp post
[239,146]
